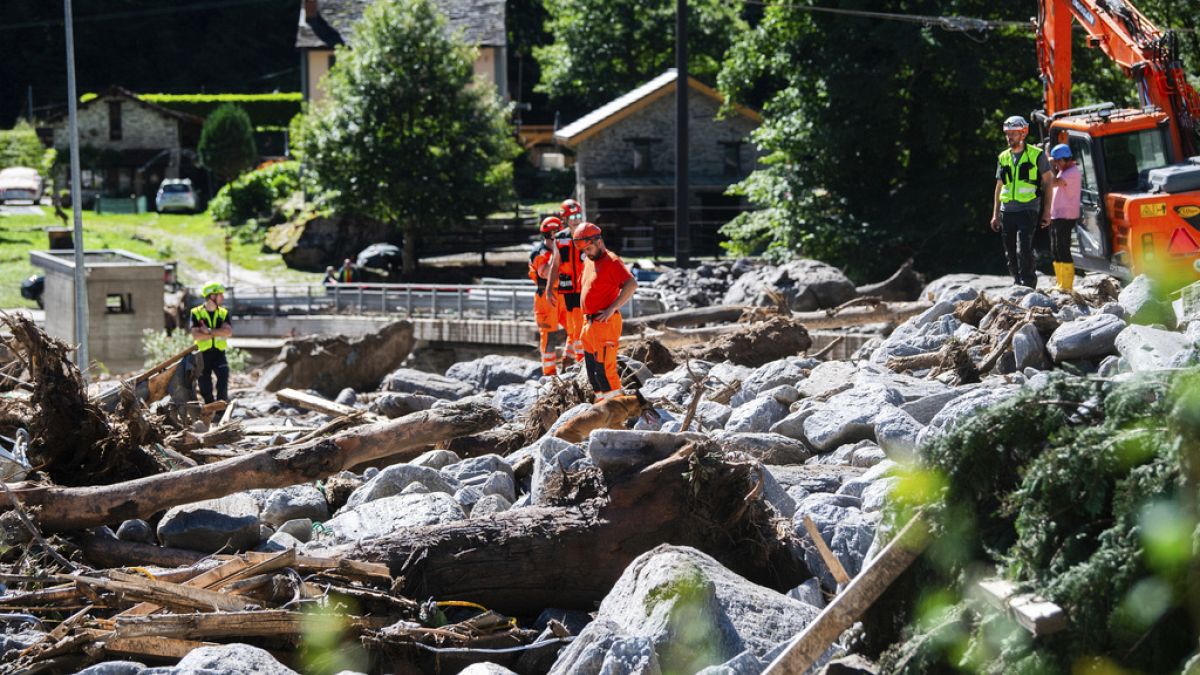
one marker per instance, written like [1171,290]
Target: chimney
[311,11]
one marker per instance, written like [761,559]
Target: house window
[118,303]
[642,148]
[114,120]
[732,156]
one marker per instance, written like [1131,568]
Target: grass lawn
[192,240]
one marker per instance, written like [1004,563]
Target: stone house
[625,165]
[127,146]
[324,24]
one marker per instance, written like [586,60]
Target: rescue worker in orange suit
[545,306]
[606,286]
[571,214]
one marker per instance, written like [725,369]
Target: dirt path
[240,276]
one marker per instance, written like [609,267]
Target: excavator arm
[1145,54]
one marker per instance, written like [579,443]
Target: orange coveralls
[547,317]
[601,282]
[570,311]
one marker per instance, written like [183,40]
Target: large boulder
[514,400]
[845,528]
[952,284]
[828,378]
[694,612]
[410,381]
[804,284]
[297,501]
[329,363]
[399,405]
[213,524]
[396,478]
[1028,348]
[850,416]
[960,409]
[1146,348]
[232,659]
[1087,338]
[765,447]
[790,370]
[383,516]
[1145,304]
[493,371]
[757,415]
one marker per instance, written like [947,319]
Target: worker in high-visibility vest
[546,306]
[1022,177]
[211,329]
[606,285]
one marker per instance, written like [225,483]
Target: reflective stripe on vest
[1020,180]
[210,320]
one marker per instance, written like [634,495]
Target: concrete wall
[318,67]
[141,127]
[114,339]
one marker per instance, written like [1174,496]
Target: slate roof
[480,21]
[121,92]
[633,101]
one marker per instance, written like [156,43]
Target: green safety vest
[212,321]
[1021,183]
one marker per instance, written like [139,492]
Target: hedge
[265,110]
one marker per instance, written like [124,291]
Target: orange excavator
[1141,169]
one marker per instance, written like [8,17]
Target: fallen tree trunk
[905,284]
[684,317]
[524,560]
[73,508]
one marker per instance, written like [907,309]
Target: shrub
[227,142]
[20,146]
[256,194]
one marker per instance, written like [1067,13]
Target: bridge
[497,312]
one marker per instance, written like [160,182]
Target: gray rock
[514,400]
[399,405]
[801,480]
[852,539]
[694,611]
[897,432]
[757,415]
[620,449]
[960,409]
[847,531]
[910,388]
[767,448]
[297,501]
[493,371]
[792,426]
[964,286]
[790,371]
[233,659]
[1087,338]
[136,530]
[394,479]
[300,528]
[924,409]
[477,468]
[1112,366]
[1145,348]
[745,663]
[828,378]
[410,381]
[346,396]
[714,415]
[784,393]
[467,496]
[114,668]
[1115,309]
[874,496]
[1144,304]
[485,669]
[849,416]
[280,541]
[602,649]
[1029,350]
[502,484]
[551,459]
[805,284]
[777,496]
[212,524]
[490,504]
[436,459]
[380,517]
[1037,300]
[866,457]
[809,593]
[938,310]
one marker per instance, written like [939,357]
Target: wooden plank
[1031,611]
[265,623]
[203,580]
[850,604]
[165,594]
[270,430]
[227,416]
[275,561]
[307,401]
[347,567]
[147,647]
[831,560]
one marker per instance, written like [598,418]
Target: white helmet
[1015,122]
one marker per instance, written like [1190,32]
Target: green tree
[881,136]
[405,136]
[604,48]
[20,146]
[227,142]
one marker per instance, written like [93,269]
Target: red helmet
[585,232]
[550,226]
[571,210]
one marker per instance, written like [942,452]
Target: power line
[157,11]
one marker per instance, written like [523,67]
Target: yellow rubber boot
[1058,273]
[1068,276]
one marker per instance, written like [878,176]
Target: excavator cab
[1140,213]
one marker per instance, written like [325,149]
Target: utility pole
[683,236]
[81,306]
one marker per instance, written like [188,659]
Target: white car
[19,183]
[175,194]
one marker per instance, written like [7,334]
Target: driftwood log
[523,560]
[60,508]
[684,317]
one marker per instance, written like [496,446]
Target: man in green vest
[1022,177]
[210,329]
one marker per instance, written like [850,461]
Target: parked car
[19,183]
[384,260]
[175,194]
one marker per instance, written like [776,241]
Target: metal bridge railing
[507,300]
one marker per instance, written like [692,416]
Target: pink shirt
[1065,202]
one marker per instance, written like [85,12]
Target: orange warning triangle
[1182,242]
